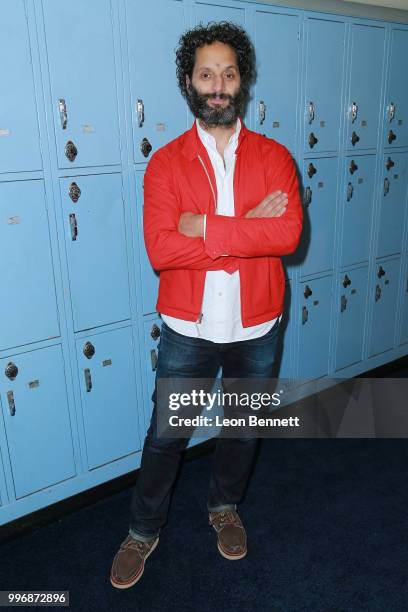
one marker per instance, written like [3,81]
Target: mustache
[215,96]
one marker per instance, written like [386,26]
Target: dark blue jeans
[181,356]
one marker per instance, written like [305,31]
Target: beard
[214,117]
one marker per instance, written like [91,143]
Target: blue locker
[396,111]
[384,298]
[19,135]
[393,203]
[108,395]
[351,311]
[276,89]
[204,13]
[95,241]
[81,64]
[357,205]
[287,329]
[30,311]
[149,279]
[319,198]
[314,327]
[364,95]
[151,337]
[37,420]
[323,65]
[159,112]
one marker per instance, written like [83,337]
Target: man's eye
[230,75]
[205,75]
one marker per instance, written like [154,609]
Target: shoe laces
[141,547]
[227,516]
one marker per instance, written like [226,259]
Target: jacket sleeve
[261,236]
[166,247]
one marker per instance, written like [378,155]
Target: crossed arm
[175,241]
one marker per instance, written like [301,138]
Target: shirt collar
[208,139]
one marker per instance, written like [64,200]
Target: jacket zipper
[212,188]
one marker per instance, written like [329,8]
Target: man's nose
[218,84]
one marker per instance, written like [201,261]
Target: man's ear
[188,81]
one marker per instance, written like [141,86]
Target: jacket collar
[192,146]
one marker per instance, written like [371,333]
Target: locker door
[284,354]
[357,208]
[37,421]
[218,12]
[384,296]
[149,281]
[151,334]
[404,329]
[277,36]
[367,58]
[26,272]
[96,249]
[396,112]
[19,136]
[393,203]
[82,73]
[315,304]
[320,189]
[159,112]
[324,75]
[351,309]
[108,393]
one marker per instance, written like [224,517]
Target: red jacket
[180,178]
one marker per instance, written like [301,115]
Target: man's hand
[191,225]
[274,205]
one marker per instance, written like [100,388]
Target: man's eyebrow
[208,67]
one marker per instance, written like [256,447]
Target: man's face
[214,91]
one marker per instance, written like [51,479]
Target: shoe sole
[231,557]
[127,585]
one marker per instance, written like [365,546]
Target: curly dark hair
[223,31]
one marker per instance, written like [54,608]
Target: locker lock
[346,281]
[307,292]
[380,272]
[145,147]
[312,140]
[391,136]
[353,167]
[11,370]
[155,331]
[390,164]
[71,151]
[354,138]
[74,192]
[89,350]
[311,170]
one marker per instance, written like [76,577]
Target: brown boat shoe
[128,564]
[232,542]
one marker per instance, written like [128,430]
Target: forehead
[217,54]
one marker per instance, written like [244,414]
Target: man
[221,206]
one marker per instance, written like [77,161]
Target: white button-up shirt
[221,306]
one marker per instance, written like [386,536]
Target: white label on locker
[4,132]
[33,384]
[396,176]
[353,291]
[387,282]
[400,122]
[88,128]
[364,123]
[160,127]
[322,124]
[13,220]
[107,362]
[276,124]
[360,180]
[315,302]
[320,184]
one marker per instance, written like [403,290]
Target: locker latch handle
[391,111]
[353,167]
[391,136]
[153,359]
[308,196]
[74,226]
[88,379]
[354,138]
[350,190]
[381,272]
[140,112]
[343,305]
[346,281]
[305,315]
[262,111]
[377,292]
[390,164]
[311,170]
[11,403]
[353,112]
[307,292]
[62,108]
[312,140]
[386,186]
[311,112]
